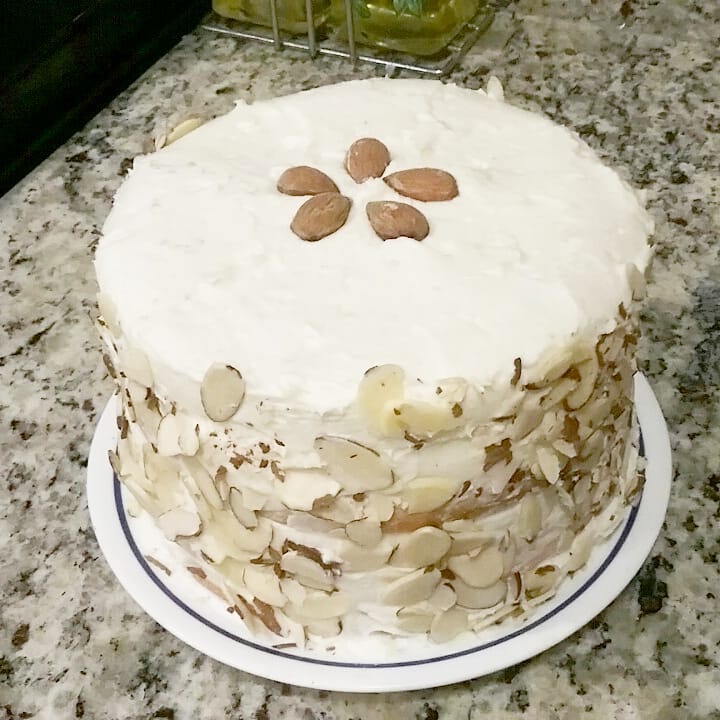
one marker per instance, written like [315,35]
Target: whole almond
[395,219]
[367,158]
[426,184]
[321,216]
[305,180]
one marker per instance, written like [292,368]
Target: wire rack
[442,64]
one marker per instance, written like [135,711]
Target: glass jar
[291,14]
[416,27]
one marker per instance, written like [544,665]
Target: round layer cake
[374,347]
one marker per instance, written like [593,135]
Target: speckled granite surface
[640,81]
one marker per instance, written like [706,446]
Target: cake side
[420,521]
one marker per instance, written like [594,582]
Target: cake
[374,347]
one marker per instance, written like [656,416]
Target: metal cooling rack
[393,62]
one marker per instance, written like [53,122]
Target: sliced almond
[108,313]
[421,548]
[321,216]
[448,625]
[176,436]
[367,158]
[364,532]
[356,467]
[483,570]
[179,523]
[425,184]
[305,180]
[424,419]
[222,391]
[559,390]
[549,464]
[411,588]
[391,220]
[479,598]
[412,620]
[443,597]
[321,606]
[589,371]
[357,559]
[380,389]
[529,517]
[135,364]
[424,494]
[264,584]
[469,543]
[328,628]
[303,567]
[183,128]
[379,507]
[244,516]
[303,487]
[203,482]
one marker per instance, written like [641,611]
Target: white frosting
[198,257]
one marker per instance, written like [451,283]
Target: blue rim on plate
[616,561]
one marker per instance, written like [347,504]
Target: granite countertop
[640,82]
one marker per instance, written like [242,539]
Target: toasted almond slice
[380,389]
[425,184]
[424,494]
[421,548]
[305,180]
[320,216]
[392,220]
[483,570]
[448,625]
[179,523]
[479,598]
[364,532]
[222,391]
[366,158]
[356,467]
[411,588]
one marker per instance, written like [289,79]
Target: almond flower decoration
[327,210]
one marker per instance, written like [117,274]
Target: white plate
[201,620]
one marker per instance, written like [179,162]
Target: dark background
[61,61]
